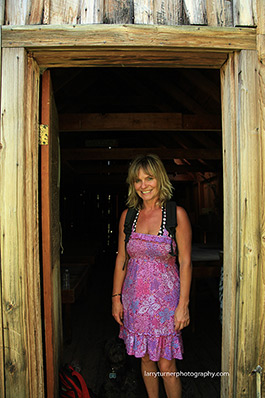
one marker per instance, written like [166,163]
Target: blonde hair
[152,165]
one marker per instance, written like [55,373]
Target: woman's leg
[150,377]
[171,382]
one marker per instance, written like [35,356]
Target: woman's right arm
[119,273]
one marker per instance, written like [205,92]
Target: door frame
[233,51]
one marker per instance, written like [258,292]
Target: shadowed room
[106,116]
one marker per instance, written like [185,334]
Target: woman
[150,295]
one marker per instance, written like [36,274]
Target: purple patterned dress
[150,296]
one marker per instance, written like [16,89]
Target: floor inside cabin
[92,326]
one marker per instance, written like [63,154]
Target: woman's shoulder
[182,215]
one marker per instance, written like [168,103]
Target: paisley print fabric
[150,296]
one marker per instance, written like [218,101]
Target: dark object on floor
[120,379]
[72,384]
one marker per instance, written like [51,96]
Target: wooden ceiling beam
[130,153]
[120,169]
[137,122]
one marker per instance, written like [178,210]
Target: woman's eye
[150,178]
[137,181]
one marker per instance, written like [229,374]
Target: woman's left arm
[183,237]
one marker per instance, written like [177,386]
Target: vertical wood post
[242,246]
[20,270]
[261,102]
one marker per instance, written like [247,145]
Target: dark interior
[94,163]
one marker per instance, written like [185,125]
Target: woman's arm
[183,237]
[119,273]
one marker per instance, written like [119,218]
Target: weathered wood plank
[261,101]
[51,239]
[137,122]
[31,226]
[244,13]
[249,223]
[219,12]
[2,362]
[194,12]
[168,12]
[64,12]
[129,36]
[143,12]
[241,251]
[128,57]
[2,12]
[23,12]
[118,11]
[20,271]
[261,288]
[130,153]
[230,178]
[91,11]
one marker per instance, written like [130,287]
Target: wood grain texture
[130,36]
[2,12]
[261,320]
[230,177]
[64,12]
[261,101]
[244,13]
[50,239]
[194,12]
[91,11]
[31,226]
[168,58]
[219,12]
[118,11]
[2,360]
[12,232]
[144,12]
[168,12]
[23,12]
[249,223]
[19,248]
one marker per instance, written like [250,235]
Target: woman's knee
[146,359]
[166,365]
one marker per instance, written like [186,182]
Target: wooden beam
[101,168]
[20,268]
[130,36]
[261,101]
[138,122]
[122,56]
[242,239]
[130,153]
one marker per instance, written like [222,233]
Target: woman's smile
[146,186]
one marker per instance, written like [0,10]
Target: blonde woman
[150,298]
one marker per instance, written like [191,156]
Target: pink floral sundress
[150,296]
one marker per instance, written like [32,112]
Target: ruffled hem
[139,345]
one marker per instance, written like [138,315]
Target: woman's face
[146,186]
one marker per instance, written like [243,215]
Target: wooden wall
[160,12]
[243,96]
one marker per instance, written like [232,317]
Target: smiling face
[146,186]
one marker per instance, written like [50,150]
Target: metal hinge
[44,134]
[258,372]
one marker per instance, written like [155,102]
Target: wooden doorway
[50,233]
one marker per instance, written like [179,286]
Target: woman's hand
[181,317]
[117,310]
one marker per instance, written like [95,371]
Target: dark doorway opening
[166,110]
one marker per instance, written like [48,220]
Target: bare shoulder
[181,214]
[183,220]
[123,216]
